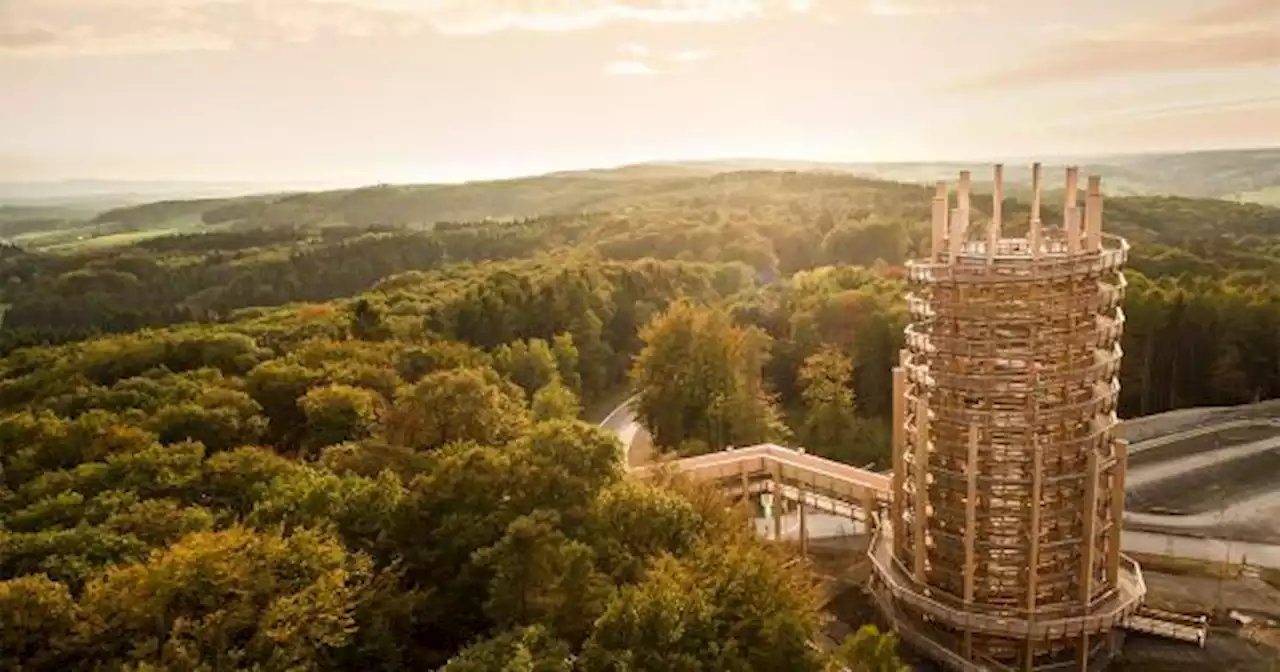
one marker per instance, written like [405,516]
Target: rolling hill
[1237,175]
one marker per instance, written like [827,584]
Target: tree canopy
[295,444]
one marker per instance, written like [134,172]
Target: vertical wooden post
[971,514]
[1093,214]
[899,410]
[920,456]
[1071,210]
[804,521]
[960,229]
[940,229]
[1117,510]
[777,502]
[970,531]
[959,224]
[1071,195]
[1033,560]
[997,210]
[1033,553]
[1072,230]
[1090,520]
[899,451]
[868,510]
[1034,235]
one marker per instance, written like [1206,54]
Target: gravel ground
[1151,426]
[1226,438]
[1208,488]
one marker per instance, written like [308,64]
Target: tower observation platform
[1001,550]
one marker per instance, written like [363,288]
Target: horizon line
[337,183]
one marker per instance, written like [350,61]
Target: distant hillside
[119,192]
[1252,175]
[415,206]
[1247,175]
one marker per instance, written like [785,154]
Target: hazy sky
[394,90]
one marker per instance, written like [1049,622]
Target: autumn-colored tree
[458,405]
[230,598]
[338,413]
[699,378]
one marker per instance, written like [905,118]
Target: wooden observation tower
[1002,548]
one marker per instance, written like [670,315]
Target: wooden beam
[997,210]
[1089,552]
[970,531]
[1117,510]
[804,522]
[869,510]
[920,461]
[1033,530]
[1073,230]
[1034,234]
[971,515]
[777,501]
[1071,196]
[899,452]
[938,238]
[959,225]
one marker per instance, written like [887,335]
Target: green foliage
[555,400]
[227,599]
[458,405]
[339,413]
[326,437]
[831,428]
[870,651]
[699,378]
[522,650]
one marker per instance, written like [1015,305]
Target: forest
[303,445]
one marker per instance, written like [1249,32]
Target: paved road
[821,525]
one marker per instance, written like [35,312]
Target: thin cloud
[629,68]
[64,27]
[42,27]
[691,55]
[486,16]
[1237,34]
[924,7]
[635,50]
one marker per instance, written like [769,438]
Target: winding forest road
[622,421]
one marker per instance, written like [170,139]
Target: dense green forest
[302,444]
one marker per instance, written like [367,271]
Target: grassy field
[1269,196]
[90,236]
[111,240]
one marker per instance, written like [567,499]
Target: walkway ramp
[824,483]
[846,491]
[1170,625]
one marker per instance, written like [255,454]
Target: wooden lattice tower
[1002,549]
